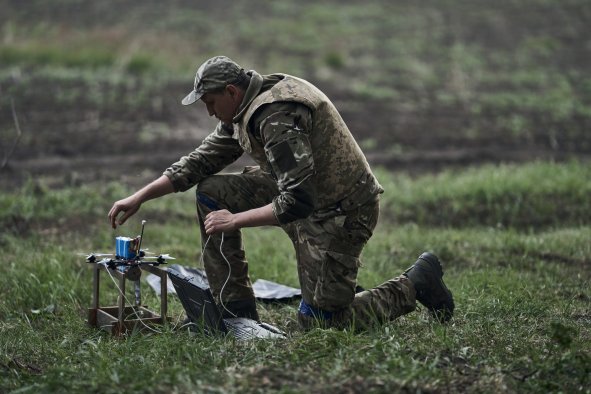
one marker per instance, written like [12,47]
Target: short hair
[242,83]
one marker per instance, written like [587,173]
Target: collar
[256,82]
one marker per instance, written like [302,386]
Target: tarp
[264,290]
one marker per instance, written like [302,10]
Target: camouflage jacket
[293,131]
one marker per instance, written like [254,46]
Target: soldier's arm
[130,205]
[224,220]
[284,130]
[216,152]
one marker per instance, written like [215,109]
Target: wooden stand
[117,319]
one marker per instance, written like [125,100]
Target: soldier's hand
[219,222]
[128,206]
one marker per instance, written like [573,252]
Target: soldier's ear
[235,92]
[231,90]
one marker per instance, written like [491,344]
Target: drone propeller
[161,257]
[144,252]
[91,258]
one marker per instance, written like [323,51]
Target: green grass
[514,239]
[531,195]
[522,297]
[90,58]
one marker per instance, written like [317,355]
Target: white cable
[227,279]
[135,312]
[203,252]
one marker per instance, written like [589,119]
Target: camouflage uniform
[323,195]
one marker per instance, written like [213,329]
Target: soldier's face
[223,105]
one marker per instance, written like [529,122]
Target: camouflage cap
[215,74]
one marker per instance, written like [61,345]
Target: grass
[514,239]
[522,296]
[532,195]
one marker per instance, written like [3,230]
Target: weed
[140,64]
[531,195]
[518,296]
[514,239]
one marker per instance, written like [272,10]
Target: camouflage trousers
[327,244]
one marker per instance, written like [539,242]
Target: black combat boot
[427,276]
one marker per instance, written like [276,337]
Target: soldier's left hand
[219,222]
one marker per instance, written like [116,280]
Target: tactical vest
[342,178]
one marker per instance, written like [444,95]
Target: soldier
[312,180]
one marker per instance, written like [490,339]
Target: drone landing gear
[120,319]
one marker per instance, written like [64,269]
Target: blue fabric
[309,310]
[208,202]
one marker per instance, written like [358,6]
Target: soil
[80,142]
[84,126]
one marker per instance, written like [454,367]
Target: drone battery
[125,247]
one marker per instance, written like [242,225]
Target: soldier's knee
[334,295]
[206,192]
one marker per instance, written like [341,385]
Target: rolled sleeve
[217,151]
[289,153]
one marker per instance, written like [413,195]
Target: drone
[127,263]
[128,254]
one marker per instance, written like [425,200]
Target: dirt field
[80,143]
[422,87]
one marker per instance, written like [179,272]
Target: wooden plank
[164,295]
[104,319]
[95,286]
[121,298]
[92,312]
[116,319]
[163,286]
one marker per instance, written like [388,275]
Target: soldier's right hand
[128,206]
